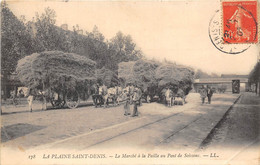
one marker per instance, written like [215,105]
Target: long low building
[225,82]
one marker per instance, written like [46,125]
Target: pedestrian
[127,103]
[13,97]
[30,99]
[203,94]
[168,97]
[104,95]
[136,98]
[209,93]
[43,95]
[139,92]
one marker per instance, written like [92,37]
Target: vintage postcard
[130,82]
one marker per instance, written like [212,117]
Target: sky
[173,30]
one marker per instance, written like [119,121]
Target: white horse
[30,97]
[26,93]
[168,97]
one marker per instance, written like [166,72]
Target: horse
[26,92]
[112,95]
[168,97]
[181,94]
[96,95]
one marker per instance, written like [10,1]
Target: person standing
[168,97]
[105,95]
[30,99]
[203,94]
[136,98]
[139,92]
[127,103]
[209,94]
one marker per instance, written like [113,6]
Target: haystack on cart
[140,73]
[65,78]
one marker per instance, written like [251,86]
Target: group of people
[130,95]
[170,96]
[206,92]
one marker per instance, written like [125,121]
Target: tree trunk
[4,86]
[256,87]
[44,103]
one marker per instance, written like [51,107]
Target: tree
[46,32]
[200,74]
[15,43]
[123,49]
[254,76]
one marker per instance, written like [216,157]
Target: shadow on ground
[14,131]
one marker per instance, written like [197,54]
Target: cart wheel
[72,99]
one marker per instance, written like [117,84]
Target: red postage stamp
[240,22]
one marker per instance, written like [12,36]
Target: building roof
[234,76]
[219,80]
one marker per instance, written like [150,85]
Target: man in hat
[209,93]
[203,94]
[136,98]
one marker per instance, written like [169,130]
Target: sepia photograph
[169,82]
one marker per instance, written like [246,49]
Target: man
[30,98]
[136,98]
[139,92]
[126,99]
[13,97]
[209,93]
[203,94]
[104,94]
[168,97]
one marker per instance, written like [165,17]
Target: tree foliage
[15,40]
[254,75]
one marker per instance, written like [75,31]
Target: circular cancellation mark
[216,37]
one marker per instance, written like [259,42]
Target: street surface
[157,128]
[239,133]
[84,127]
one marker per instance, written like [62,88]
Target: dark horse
[96,96]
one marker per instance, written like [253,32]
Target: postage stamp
[239,22]
[217,38]
[233,28]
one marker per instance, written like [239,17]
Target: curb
[208,138]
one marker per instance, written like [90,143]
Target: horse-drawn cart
[64,78]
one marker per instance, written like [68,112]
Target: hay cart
[66,77]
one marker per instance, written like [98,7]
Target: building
[11,84]
[223,83]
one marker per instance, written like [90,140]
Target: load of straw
[140,73]
[174,77]
[54,68]
[106,76]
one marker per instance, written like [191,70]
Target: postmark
[239,22]
[233,28]
[217,38]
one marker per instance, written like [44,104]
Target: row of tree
[254,77]
[21,38]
